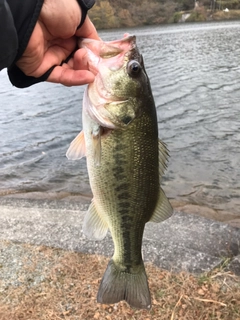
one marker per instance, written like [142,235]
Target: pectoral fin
[77,149]
[94,227]
[163,208]
[96,136]
[163,157]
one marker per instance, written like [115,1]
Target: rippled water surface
[195,75]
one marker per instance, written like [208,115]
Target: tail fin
[117,285]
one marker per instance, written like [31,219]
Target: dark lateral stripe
[123,196]
[122,187]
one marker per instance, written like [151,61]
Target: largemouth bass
[125,161]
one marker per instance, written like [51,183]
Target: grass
[70,280]
[231,15]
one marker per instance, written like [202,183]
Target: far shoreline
[199,15]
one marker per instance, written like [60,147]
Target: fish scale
[125,161]
[129,158]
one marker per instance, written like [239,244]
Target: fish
[125,163]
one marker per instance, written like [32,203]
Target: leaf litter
[43,283]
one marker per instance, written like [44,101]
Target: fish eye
[133,68]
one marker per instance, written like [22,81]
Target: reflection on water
[195,75]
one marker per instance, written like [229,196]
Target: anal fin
[94,227]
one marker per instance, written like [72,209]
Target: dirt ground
[41,283]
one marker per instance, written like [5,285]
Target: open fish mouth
[104,58]
[106,50]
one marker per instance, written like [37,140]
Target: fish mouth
[102,57]
[108,49]
[111,53]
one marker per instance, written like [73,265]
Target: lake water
[194,70]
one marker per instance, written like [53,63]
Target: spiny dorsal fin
[163,209]
[163,157]
[94,227]
[77,149]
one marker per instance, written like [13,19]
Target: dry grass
[231,15]
[70,282]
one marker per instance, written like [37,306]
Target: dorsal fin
[163,157]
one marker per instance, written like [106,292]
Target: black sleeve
[85,6]
[8,36]
[25,15]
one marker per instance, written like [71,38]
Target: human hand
[53,40]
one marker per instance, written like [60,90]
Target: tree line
[127,13]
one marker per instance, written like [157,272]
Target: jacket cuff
[85,6]
[25,29]
[25,15]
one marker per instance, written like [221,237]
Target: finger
[87,30]
[36,65]
[80,60]
[70,77]
[58,51]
